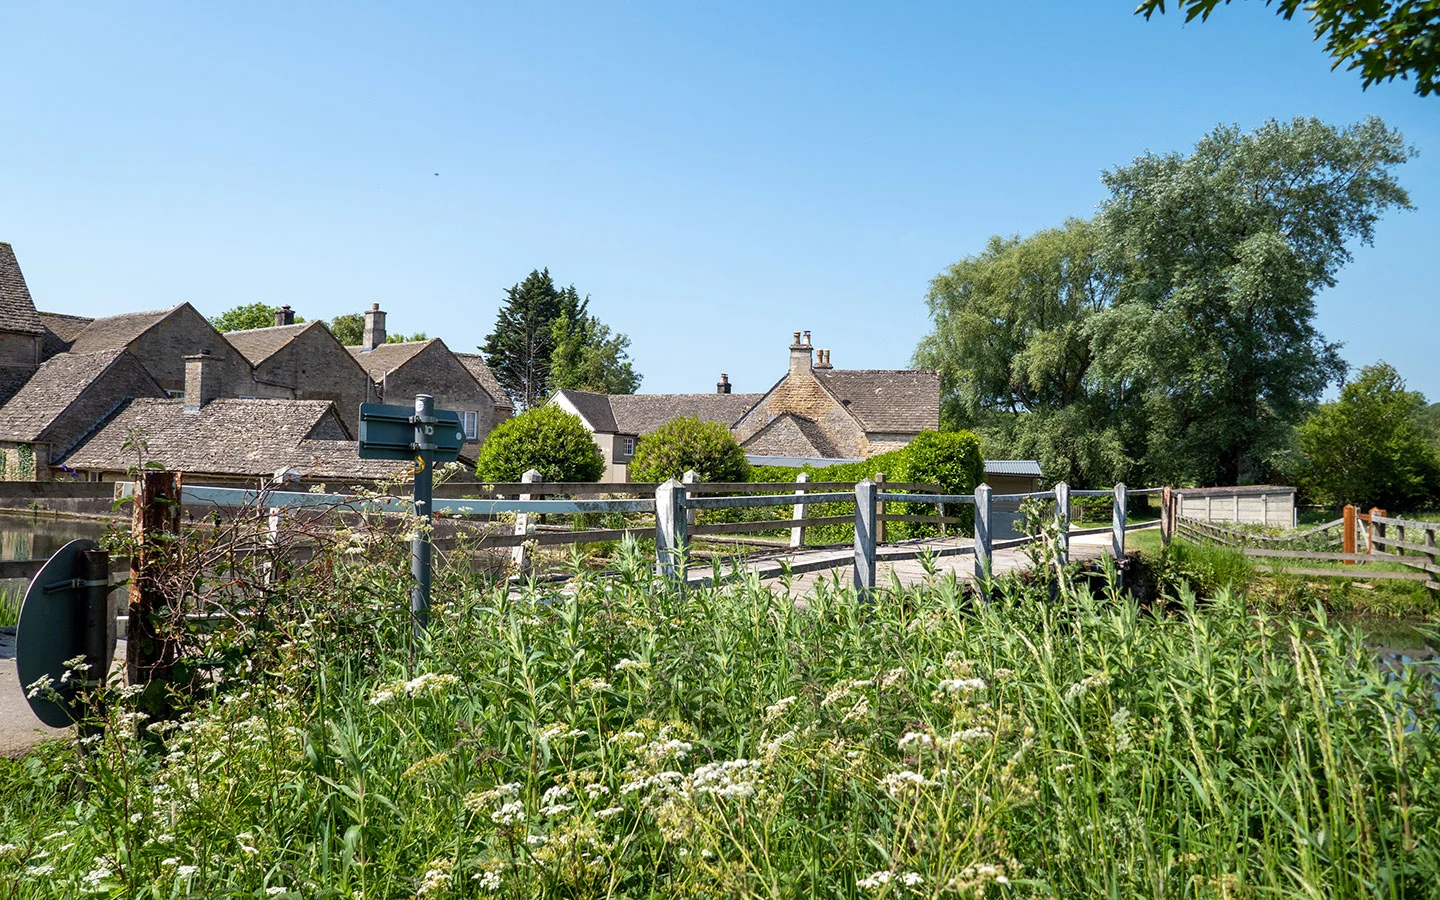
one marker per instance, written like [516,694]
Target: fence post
[1167,516]
[689,478]
[1062,519]
[1347,527]
[522,524]
[983,540]
[1399,536]
[1117,521]
[1430,545]
[670,531]
[797,533]
[1377,529]
[865,538]
[879,509]
[149,655]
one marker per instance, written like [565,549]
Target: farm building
[1263,504]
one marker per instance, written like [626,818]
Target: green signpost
[425,435]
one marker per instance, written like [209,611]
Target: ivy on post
[150,652]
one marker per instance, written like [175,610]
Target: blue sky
[714,175]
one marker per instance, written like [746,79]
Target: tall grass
[625,740]
[12,595]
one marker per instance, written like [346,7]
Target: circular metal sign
[52,630]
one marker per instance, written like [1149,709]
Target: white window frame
[630,446]
[471,419]
[175,395]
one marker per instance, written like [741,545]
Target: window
[175,395]
[629,446]
[472,424]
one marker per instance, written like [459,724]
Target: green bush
[547,439]
[951,459]
[688,443]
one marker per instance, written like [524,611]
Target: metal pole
[424,446]
[983,546]
[1062,519]
[1117,522]
[865,500]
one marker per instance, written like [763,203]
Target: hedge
[547,439]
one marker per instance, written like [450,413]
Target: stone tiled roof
[903,401]
[116,332]
[17,310]
[339,459]
[476,364]
[259,344]
[386,358]
[53,387]
[12,379]
[242,438]
[593,408]
[643,413]
[61,331]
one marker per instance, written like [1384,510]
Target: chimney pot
[824,360]
[374,328]
[723,386]
[202,380]
[800,359]
[284,316]
[807,338]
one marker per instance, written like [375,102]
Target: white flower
[778,708]
[954,686]
[609,812]
[187,871]
[276,890]
[511,813]
[912,879]
[39,871]
[435,880]
[897,783]
[596,791]
[920,740]
[877,880]
[487,881]
[627,665]
[595,685]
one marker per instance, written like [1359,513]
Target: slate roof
[902,401]
[243,438]
[50,391]
[643,413]
[115,332]
[17,310]
[61,331]
[259,344]
[386,358]
[1023,468]
[476,364]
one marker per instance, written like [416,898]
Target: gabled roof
[117,332]
[476,364]
[259,344]
[902,401]
[17,310]
[593,408]
[61,331]
[50,391]
[643,413]
[243,438]
[792,435]
[12,379]
[386,358]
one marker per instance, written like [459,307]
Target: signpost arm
[424,491]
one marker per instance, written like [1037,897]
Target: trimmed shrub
[688,443]
[547,439]
[951,459]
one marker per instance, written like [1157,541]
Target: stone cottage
[21,334]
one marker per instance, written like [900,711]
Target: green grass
[11,596]
[625,740]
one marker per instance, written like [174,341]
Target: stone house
[303,362]
[616,422]
[21,334]
[400,371]
[61,404]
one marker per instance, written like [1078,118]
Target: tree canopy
[537,319]
[547,439]
[349,329]
[247,317]
[1384,39]
[1173,337]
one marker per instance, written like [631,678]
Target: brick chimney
[202,380]
[284,316]
[723,385]
[800,354]
[824,362]
[374,328]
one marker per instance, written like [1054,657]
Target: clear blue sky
[714,175]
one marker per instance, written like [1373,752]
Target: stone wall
[163,348]
[802,395]
[314,366]
[437,372]
[18,349]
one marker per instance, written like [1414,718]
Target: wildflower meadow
[620,737]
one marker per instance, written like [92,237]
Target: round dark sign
[52,631]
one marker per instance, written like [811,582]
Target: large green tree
[587,356]
[1384,39]
[1367,447]
[1221,253]
[247,317]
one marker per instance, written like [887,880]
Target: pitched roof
[643,413]
[386,358]
[904,401]
[17,310]
[115,332]
[592,407]
[53,387]
[245,438]
[340,459]
[12,379]
[259,344]
[61,331]
[1024,468]
[790,435]
[476,364]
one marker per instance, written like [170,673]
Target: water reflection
[40,535]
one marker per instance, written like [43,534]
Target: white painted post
[1236,499]
[1209,508]
[865,538]
[670,532]
[523,525]
[983,540]
[1265,510]
[797,533]
[1062,518]
[690,477]
[1117,521]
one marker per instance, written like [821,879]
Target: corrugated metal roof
[1024,468]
